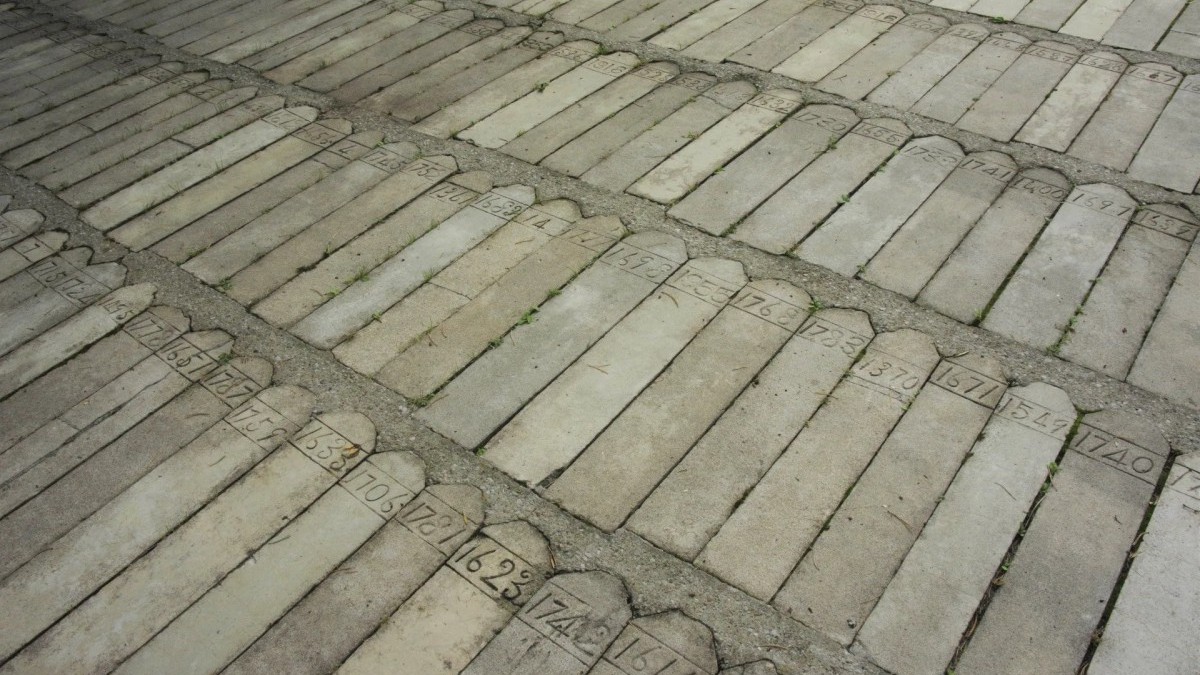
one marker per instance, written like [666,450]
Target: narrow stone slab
[446,47]
[365,589]
[426,365]
[507,89]
[199,165]
[425,99]
[972,77]
[834,47]
[341,316]
[839,580]
[372,33]
[1043,294]
[966,283]
[730,36]
[1162,364]
[799,206]
[41,401]
[1184,36]
[915,78]
[682,171]
[22,254]
[332,75]
[63,290]
[309,40]
[240,519]
[1155,616]
[154,140]
[700,493]
[1174,133]
[265,233]
[1073,102]
[867,69]
[756,668]
[72,336]
[856,232]
[541,636]
[913,255]
[917,623]
[314,17]
[17,224]
[202,233]
[1003,109]
[1116,131]
[564,418]
[175,213]
[83,84]
[220,625]
[703,22]
[250,31]
[1061,577]
[644,152]
[1001,9]
[402,91]
[101,546]
[593,146]
[535,107]
[1143,24]
[760,544]
[559,130]
[27,285]
[1094,18]
[1048,15]
[309,290]
[1136,279]
[328,234]
[757,173]
[668,640]
[566,325]
[623,465]
[797,31]
[449,620]
[82,483]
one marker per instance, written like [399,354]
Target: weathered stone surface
[1173,134]
[838,581]
[821,56]
[1155,620]
[1143,24]
[564,418]
[1116,131]
[496,385]
[426,365]
[451,618]
[1164,363]
[866,70]
[1039,300]
[668,641]
[797,31]
[915,252]
[1072,103]
[536,640]
[1113,322]
[644,152]
[362,592]
[1016,94]
[755,175]
[916,626]
[623,465]
[20,255]
[1058,583]
[535,107]
[768,533]
[700,493]
[799,206]
[337,319]
[733,35]
[682,171]
[505,90]
[965,284]
[856,232]
[971,78]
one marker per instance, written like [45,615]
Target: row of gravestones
[131,445]
[75,446]
[415,60]
[212,179]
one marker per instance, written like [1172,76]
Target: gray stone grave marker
[1164,363]
[1122,122]
[915,78]
[972,77]
[1173,135]
[820,57]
